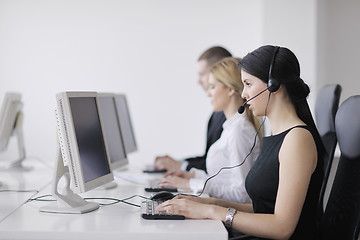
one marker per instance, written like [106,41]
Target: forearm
[233,191]
[240,207]
[259,225]
[262,225]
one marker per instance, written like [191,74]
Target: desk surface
[14,180]
[119,221]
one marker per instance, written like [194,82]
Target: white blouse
[229,150]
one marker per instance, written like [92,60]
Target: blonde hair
[228,73]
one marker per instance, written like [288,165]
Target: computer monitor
[112,131]
[11,123]
[125,123]
[84,159]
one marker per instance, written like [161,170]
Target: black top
[214,131]
[263,180]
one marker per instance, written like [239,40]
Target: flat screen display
[89,137]
[125,123]
[111,125]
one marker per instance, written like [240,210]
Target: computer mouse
[162,196]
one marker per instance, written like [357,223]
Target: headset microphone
[242,107]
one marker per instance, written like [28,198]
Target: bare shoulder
[300,136]
[299,146]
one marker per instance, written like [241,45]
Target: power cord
[19,191]
[115,200]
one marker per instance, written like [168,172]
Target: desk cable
[115,200]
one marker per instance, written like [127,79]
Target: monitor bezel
[10,109]
[69,147]
[121,162]
[123,96]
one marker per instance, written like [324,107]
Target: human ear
[231,92]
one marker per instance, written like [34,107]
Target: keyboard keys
[148,212]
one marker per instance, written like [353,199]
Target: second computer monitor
[10,109]
[125,123]
[112,131]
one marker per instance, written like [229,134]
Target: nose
[243,94]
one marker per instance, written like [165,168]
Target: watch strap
[229,217]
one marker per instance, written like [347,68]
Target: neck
[282,115]
[233,106]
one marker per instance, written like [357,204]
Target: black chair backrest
[326,106]
[341,218]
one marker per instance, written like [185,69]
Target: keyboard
[154,187]
[148,212]
[152,169]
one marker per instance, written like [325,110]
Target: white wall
[292,24]
[338,48]
[145,49]
[148,50]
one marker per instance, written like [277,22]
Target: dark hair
[214,54]
[286,70]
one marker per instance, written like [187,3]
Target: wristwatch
[229,217]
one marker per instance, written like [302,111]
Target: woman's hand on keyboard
[187,208]
[176,182]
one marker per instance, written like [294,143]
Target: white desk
[119,221]
[34,180]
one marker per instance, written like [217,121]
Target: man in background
[214,130]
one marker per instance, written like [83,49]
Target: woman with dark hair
[285,181]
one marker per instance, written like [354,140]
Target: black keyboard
[152,169]
[148,212]
[154,187]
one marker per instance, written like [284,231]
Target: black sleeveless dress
[263,180]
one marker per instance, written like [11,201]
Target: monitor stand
[18,132]
[107,186]
[68,202]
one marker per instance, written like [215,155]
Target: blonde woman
[234,144]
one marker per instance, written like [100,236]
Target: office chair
[341,219]
[326,106]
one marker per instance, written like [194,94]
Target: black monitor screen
[112,129]
[89,137]
[125,123]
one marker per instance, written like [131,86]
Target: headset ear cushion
[273,85]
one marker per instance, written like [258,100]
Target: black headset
[273,83]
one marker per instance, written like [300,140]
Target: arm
[230,183]
[201,208]
[196,162]
[168,163]
[214,131]
[184,180]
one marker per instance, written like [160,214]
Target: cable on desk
[39,198]
[19,191]
[113,199]
[116,200]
